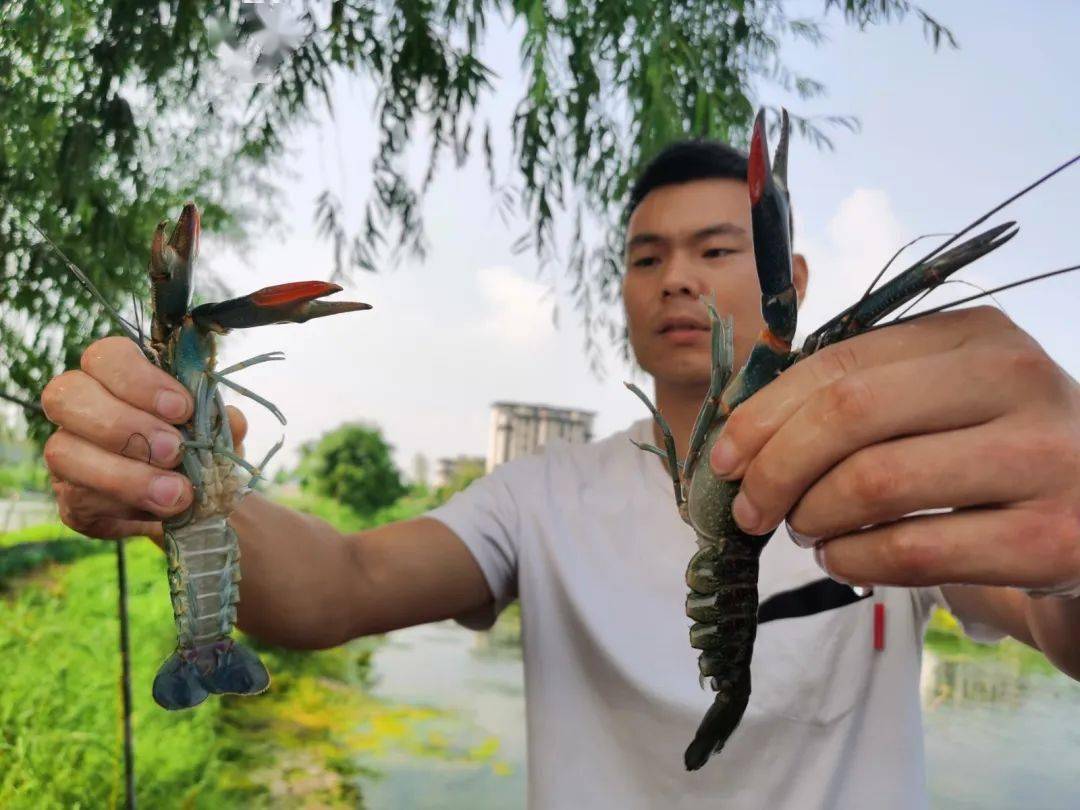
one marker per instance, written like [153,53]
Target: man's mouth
[683,327]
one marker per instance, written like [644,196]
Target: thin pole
[125,678]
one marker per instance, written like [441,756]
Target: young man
[960,410]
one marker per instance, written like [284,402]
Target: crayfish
[201,547]
[723,573]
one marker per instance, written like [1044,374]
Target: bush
[26,476]
[352,465]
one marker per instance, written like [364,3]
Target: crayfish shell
[709,498]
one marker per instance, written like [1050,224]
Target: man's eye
[646,261]
[716,253]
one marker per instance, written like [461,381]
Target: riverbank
[315,739]
[59,697]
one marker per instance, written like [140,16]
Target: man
[959,410]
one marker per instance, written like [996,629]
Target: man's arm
[304,583]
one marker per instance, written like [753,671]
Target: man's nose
[680,279]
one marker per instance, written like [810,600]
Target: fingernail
[164,446]
[166,490]
[819,558]
[746,514]
[724,457]
[171,405]
[800,539]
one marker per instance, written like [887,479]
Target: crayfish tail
[240,673]
[188,676]
[719,722]
[178,685]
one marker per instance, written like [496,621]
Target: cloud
[860,237]
[519,309]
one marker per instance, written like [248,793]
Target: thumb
[239,427]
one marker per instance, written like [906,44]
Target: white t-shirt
[589,539]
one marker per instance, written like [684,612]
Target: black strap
[814,597]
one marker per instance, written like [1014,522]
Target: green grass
[59,699]
[59,690]
[308,742]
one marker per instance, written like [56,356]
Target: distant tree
[113,112]
[465,472]
[353,465]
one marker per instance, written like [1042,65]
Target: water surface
[1000,733]
[1002,728]
[473,753]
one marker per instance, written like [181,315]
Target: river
[25,509]
[999,733]
[477,680]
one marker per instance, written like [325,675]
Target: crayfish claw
[779,170]
[172,265]
[283,303]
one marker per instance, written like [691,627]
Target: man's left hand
[960,410]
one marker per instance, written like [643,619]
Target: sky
[944,137]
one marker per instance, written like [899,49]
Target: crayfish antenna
[917,280]
[125,325]
[896,256]
[983,294]
[1056,170]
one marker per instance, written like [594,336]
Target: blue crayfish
[202,549]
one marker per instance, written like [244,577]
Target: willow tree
[114,111]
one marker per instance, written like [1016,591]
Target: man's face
[685,241]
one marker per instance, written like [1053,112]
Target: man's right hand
[306,585]
[112,457]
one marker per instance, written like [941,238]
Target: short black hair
[684,161]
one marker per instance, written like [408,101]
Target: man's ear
[799,275]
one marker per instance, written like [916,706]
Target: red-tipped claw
[172,264]
[757,172]
[284,303]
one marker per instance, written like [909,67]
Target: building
[518,429]
[420,470]
[449,469]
